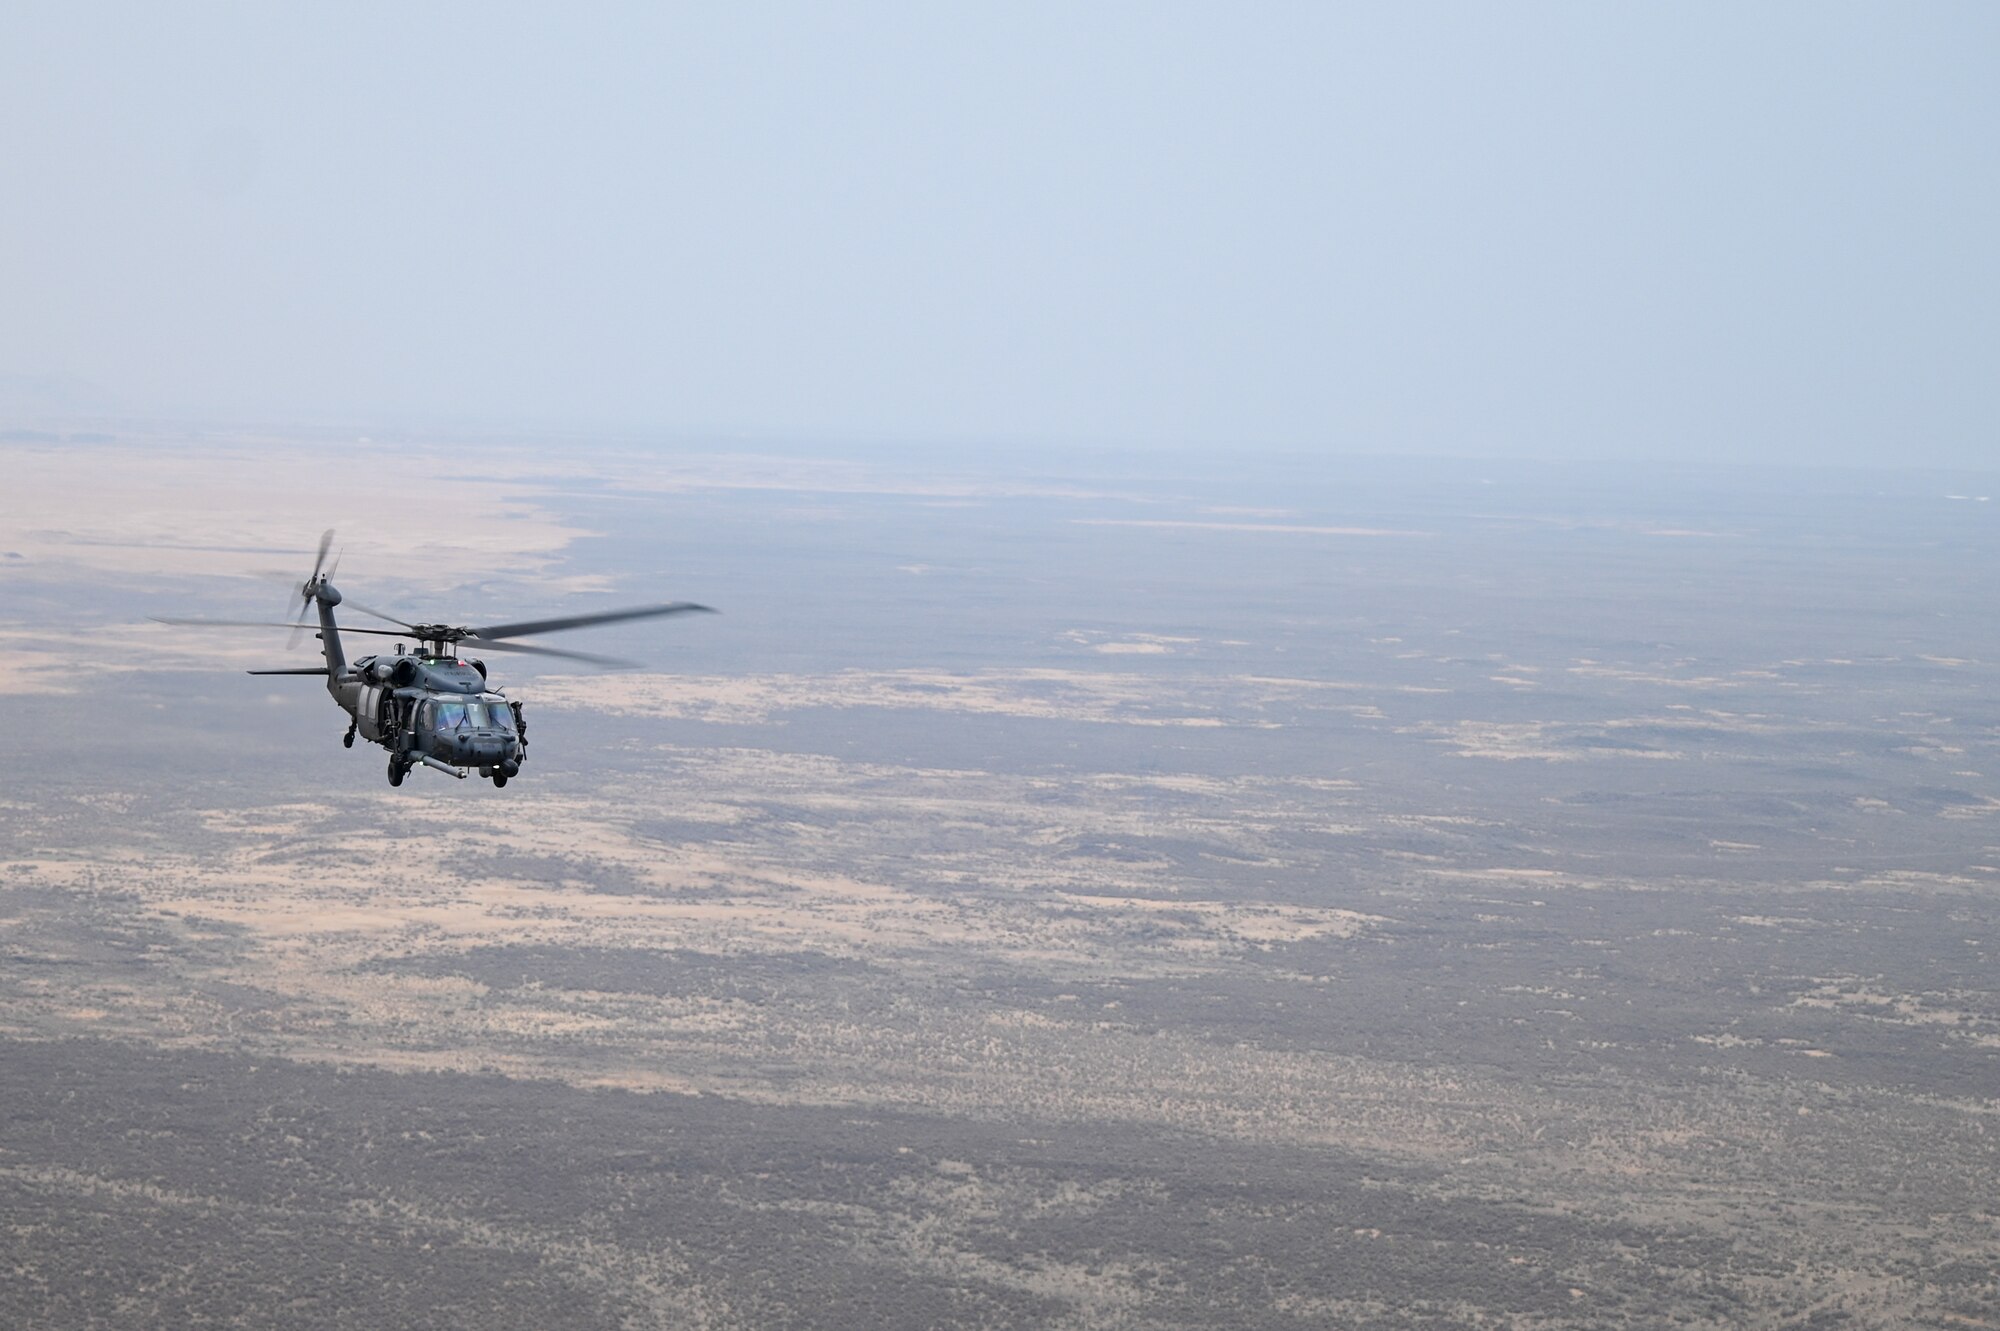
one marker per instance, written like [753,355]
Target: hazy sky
[1722,231]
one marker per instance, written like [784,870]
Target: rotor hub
[440,636]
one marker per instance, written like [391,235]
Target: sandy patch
[1064,695]
[179,507]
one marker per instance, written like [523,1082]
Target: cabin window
[468,715]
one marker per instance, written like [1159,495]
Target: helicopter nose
[483,749]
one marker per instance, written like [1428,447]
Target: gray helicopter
[431,706]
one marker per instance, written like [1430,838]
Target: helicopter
[430,706]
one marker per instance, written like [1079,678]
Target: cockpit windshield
[472,714]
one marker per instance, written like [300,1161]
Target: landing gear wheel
[396,770]
[347,740]
[499,780]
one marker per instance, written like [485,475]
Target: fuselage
[426,706]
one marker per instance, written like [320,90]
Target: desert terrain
[1059,893]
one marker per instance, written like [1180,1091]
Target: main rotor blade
[352,604]
[297,592]
[298,670]
[527,627]
[260,624]
[222,623]
[530,649]
[277,575]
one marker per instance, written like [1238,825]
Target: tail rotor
[311,585]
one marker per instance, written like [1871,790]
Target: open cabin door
[371,721]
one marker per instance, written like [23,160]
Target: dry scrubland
[1509,939]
